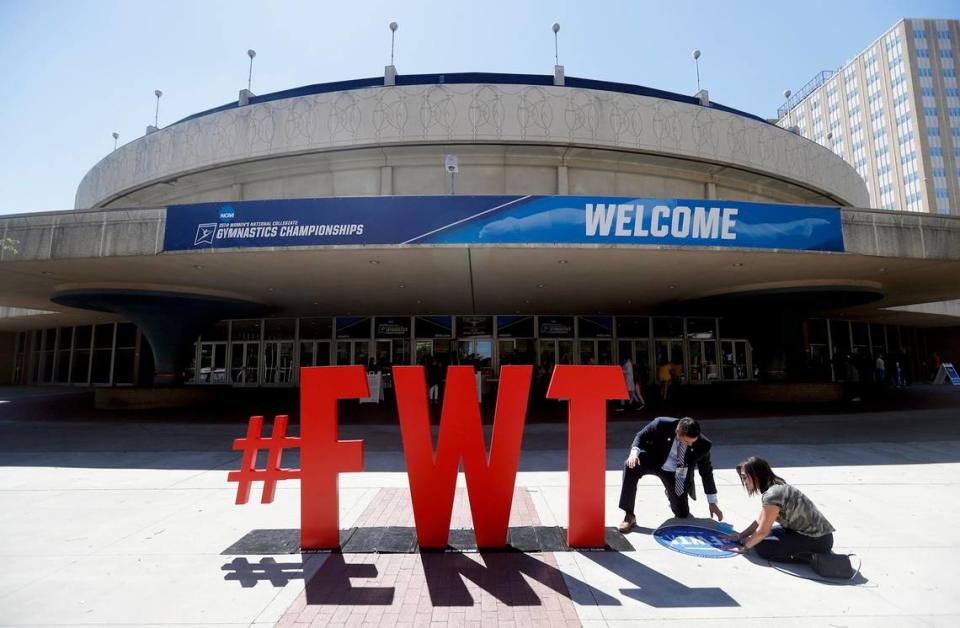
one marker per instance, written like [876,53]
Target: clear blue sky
[74,71]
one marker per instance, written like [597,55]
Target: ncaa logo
[227,213]
[694,541]
[205,233]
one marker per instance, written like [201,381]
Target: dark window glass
[66,336]
[840,336]
[280,328]
[433,326]
[860,334]
[63,367]
[391,327]
[126,335]
[319,328]
[101,366]
[556,326]
[595,326]
[668,327]
[103,336]
[633,327]
[123,366]
[49,339]
[246,330]
[84,333]
[515,327]
[817,330]
[81,367]
[471,326]
[701,328]
[216,333]
[353,327]
[734,328]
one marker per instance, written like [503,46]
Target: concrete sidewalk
[123,523]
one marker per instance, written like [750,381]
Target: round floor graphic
[694,541]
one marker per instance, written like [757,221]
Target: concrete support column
[563,184]
[386,180]
[170,321]
[236,192]
[710,190]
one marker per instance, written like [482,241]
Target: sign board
[694,541]
[427,220]
[375,383]
[946,373]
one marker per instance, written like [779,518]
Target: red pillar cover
[433,476]
[587,388]
[322,456]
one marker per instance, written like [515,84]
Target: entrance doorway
[212,366]
[703,361]
[736,359]
[278,363]
[244,363]
[555,351]
[639,353]
[599,350]
[353,352]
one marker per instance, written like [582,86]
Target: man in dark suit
[667,448]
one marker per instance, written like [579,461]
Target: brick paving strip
[508,589]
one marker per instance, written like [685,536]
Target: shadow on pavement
[656,589]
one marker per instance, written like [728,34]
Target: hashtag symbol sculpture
[253,443]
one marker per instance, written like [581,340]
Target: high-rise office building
[893,112]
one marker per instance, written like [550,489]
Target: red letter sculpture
[587,388]
[322,456]
[433,479]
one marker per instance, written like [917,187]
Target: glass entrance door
[639,353]
[393,352]
[553,352]
[212,368]
[244,363]
[599,351]
[353,352]
[703,361]
[314,353]
[278,363]
[735,359]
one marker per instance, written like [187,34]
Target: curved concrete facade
[511,139]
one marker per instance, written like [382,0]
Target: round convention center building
[482,219]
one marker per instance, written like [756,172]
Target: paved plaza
[121,520]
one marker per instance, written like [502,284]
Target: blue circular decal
[694,541]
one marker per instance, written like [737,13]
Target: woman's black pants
[789,546]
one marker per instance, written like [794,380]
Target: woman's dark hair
[760,472]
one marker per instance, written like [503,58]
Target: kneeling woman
[802,530]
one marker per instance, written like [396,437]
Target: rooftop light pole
[116,136]
[393,33]
[250,53]
[556,45]
[696,61]
[156,115]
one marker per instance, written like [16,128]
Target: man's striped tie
[681,454]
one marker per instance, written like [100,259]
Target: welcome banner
[481,220]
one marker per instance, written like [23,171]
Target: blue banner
[470,220]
